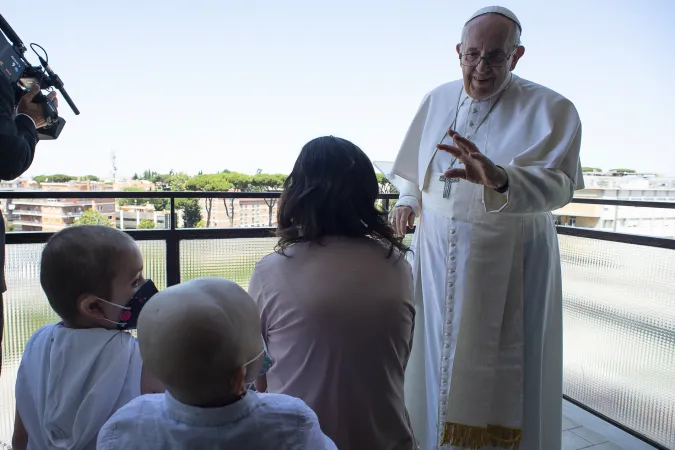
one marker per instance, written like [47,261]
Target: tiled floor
[582,430]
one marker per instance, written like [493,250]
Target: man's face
[489,36]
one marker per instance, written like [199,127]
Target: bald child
[202,340]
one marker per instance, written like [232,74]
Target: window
[572,221]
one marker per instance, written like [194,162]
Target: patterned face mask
[129,315]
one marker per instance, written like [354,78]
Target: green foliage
[210,183]
[56,178]
[240,181]
[90,178]
[385,185]
[262,182]
[624,170]
[192,212]
[146,224]
[591,169]
[265,182]
[132,201]
[92,217]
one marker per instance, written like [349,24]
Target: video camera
[23,76]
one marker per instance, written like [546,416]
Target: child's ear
[89,306]
[239,381]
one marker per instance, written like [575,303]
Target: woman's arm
[20,436]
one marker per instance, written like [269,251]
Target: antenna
[113,158]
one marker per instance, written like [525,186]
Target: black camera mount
[22,75]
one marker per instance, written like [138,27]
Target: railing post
[172,248]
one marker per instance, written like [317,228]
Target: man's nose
[482,66]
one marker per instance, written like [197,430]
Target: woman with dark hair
[336,300]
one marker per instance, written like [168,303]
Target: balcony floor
[595,433]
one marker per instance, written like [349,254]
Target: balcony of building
[619,314]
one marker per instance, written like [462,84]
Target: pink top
[338,321]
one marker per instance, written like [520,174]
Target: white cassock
[486,365]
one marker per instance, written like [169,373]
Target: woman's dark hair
[332,192]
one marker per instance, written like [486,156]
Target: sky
[213,85]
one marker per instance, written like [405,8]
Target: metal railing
[581,308]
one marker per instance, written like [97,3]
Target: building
[54,214]
[623,219]
[240,212]
[129,217]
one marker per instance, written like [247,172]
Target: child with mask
[202,340]
[76,373]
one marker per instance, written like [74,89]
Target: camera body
[22,76]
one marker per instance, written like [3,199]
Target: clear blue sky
[209,85]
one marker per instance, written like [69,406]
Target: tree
[208,183]
[385,185]
[192,212]
[624,170]
[264,182]
[591,169]
[146,224]
[132,201]
[92,217]
[241,183]
[91,178]
[56,178]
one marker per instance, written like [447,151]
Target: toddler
[76,373]
[202,340]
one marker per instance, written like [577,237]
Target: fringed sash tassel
[475,438]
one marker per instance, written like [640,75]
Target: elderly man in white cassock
[485,161]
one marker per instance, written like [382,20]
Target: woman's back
[338,320]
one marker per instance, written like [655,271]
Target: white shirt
[256,422]
[71,381]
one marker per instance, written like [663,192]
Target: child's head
[202,340]
[93,275]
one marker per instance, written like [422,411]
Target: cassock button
[444,369]
[444,381]
[475,110]
[452,218]
[470,124]
[445,358]
[447,334]
[453,245]
[446,345]
[452,258]
[453,231]
[448,322]
[451,284]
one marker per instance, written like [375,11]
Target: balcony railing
[618,305]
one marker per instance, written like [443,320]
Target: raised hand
[478,168]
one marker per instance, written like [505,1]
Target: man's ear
[520,51]
[459,48]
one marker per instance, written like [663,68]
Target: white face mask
[249,384]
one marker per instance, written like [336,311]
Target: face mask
[129,315]
[249,385]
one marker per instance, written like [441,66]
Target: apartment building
[241,212]
[623,219]
[56,213]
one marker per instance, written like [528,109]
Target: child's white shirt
[71,381]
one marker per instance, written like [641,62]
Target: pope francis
[484,162]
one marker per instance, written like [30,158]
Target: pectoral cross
[448,185]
